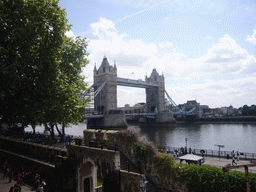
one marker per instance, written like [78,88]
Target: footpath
[221,162]
[5,185]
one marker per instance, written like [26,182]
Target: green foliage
[204,178]
[209,178]
[31,34]
[165,164]
[165,161]
[236,181]
[40,68]
[246,111]
[140,150]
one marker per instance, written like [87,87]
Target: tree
[39,67]
[246,110]
[68,105]
[31,35]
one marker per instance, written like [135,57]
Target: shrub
[204,178]
[140,150]
[209,178]
[152,152]
[165,161]
[127,136]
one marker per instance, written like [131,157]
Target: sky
[206,49]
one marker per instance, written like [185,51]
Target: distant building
[208,112]
[137,108]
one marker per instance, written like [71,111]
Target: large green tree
[67,104]
[39,66]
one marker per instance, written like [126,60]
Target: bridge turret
[155,96]
[95,70]
[107,98]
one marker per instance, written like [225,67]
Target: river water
[238,137]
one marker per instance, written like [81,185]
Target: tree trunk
[60,133]
[51,129]
[63,132]
[34,128]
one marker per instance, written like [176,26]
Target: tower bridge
[106,99]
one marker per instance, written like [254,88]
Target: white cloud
[103,28]
[70,33]
[227,56]
[216,78]
[252,38]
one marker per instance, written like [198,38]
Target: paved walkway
[5,185]
[215,161]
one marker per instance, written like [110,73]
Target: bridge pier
[165,118]
[159,118]
[107,121]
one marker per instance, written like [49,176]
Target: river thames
[238,137]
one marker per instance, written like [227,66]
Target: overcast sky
[206,49]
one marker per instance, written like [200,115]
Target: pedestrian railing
[212,153]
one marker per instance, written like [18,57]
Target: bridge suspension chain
[172,102]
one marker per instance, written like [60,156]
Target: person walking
[237,156]
[5,167]
[11,189]
[233,160]
[10,174]
[40,188]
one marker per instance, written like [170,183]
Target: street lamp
[186,148]
[220,146]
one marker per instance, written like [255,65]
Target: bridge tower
[155,96]
[107,98]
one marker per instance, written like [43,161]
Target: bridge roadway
[135,83]
[147,115]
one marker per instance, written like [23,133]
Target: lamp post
[220,146]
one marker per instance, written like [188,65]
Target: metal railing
[213,153]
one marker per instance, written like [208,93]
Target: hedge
[209,178]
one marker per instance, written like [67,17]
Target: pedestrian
[237,156]
[17,188]
[232,154]
[233,161]
[40,188]
[5,166]
[37,181]
[19,178]
[43,184]
[11,189]
[10,174]
[202,153]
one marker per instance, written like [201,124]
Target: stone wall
[34,150]
[165,118]
[115,120]
[32,166]
[166,182]
[130,181]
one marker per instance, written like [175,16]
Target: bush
[204,178]
[127,136]
[140,150]
[209,178]
[166,165]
